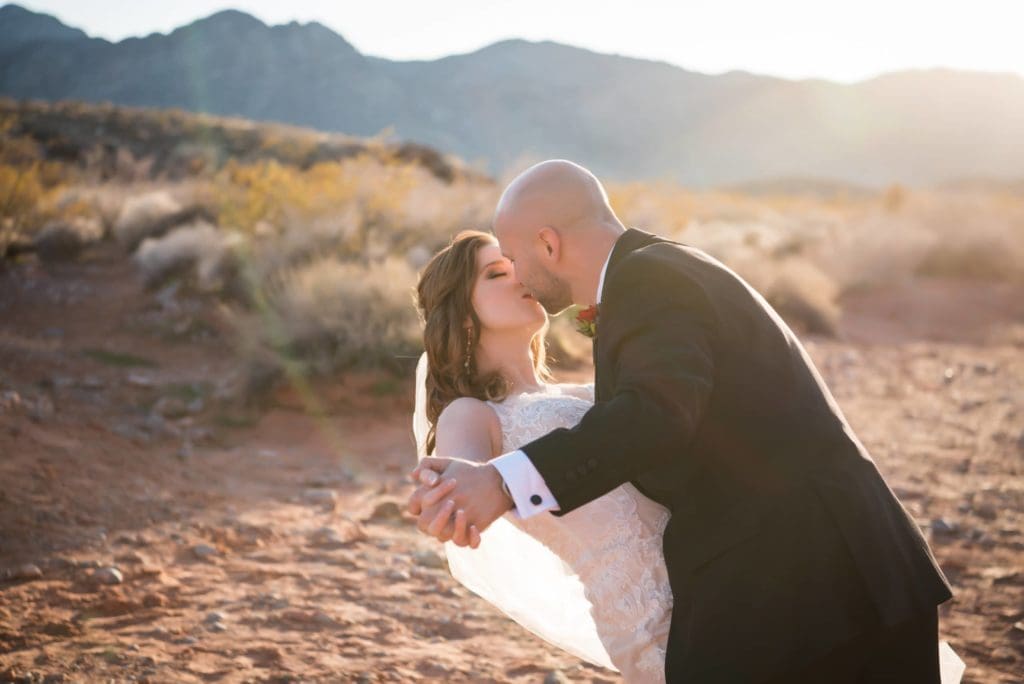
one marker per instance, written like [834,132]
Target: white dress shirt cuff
[526,485]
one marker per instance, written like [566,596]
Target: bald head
[554,221]
[556,193]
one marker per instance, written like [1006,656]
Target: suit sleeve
[657,330]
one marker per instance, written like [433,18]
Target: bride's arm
[470,428]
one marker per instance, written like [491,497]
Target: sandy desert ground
[150,532]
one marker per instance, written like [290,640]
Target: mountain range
[517,101]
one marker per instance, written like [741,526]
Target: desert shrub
[26,200]
[64,239]
[143,216]
[804,296]
[567,348]
[328,315]
[199,254]
[874,249]
[153,214]
[973,237]
[361,206]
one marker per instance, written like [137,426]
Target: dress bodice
[613,543]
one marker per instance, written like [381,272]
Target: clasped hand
[456,499]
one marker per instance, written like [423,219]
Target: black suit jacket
[784,540]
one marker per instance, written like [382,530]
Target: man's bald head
[556,193]
[554,221]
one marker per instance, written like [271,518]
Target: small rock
[984,369]
[186,641]
[555,677]
[29,571]
[204,551]
[335,537]
[1003,575]
[320,496]
[217,627]
[10,401]
[386,511]
[215,616]
[41,409]
[108,575]
[398,575]
[971,404]
[131,558]
[986,512]
[943,528]
[154,601]
[429,559]
[91,382]
[131,433]
[88,564]
[140,380]
[1003,654]
[58,241]
[58,563]
[169,407]
[61,629]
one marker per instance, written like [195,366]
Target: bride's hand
[430,483]
[470,486]
[426,503]
[445,527]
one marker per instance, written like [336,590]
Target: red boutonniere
[586,321]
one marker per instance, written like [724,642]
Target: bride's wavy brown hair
[444,297]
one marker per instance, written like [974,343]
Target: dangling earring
[469,341]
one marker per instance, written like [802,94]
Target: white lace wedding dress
[613,544]
[593,581]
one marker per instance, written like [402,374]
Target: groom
[789,557]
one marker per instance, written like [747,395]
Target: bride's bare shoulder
[466,410]
[468,424]
[581,391]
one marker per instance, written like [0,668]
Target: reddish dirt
[312,572]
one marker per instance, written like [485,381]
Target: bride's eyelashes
[495,274]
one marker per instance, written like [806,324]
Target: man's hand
[468,490]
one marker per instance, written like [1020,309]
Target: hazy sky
[842,41]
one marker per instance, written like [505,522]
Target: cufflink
[535,499]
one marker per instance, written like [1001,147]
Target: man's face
[549,289]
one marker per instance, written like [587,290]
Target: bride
[593,581]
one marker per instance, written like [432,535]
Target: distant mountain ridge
[516,101]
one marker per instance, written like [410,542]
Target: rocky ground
[151,530]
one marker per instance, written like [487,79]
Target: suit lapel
[629,241]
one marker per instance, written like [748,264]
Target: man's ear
[550,243]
